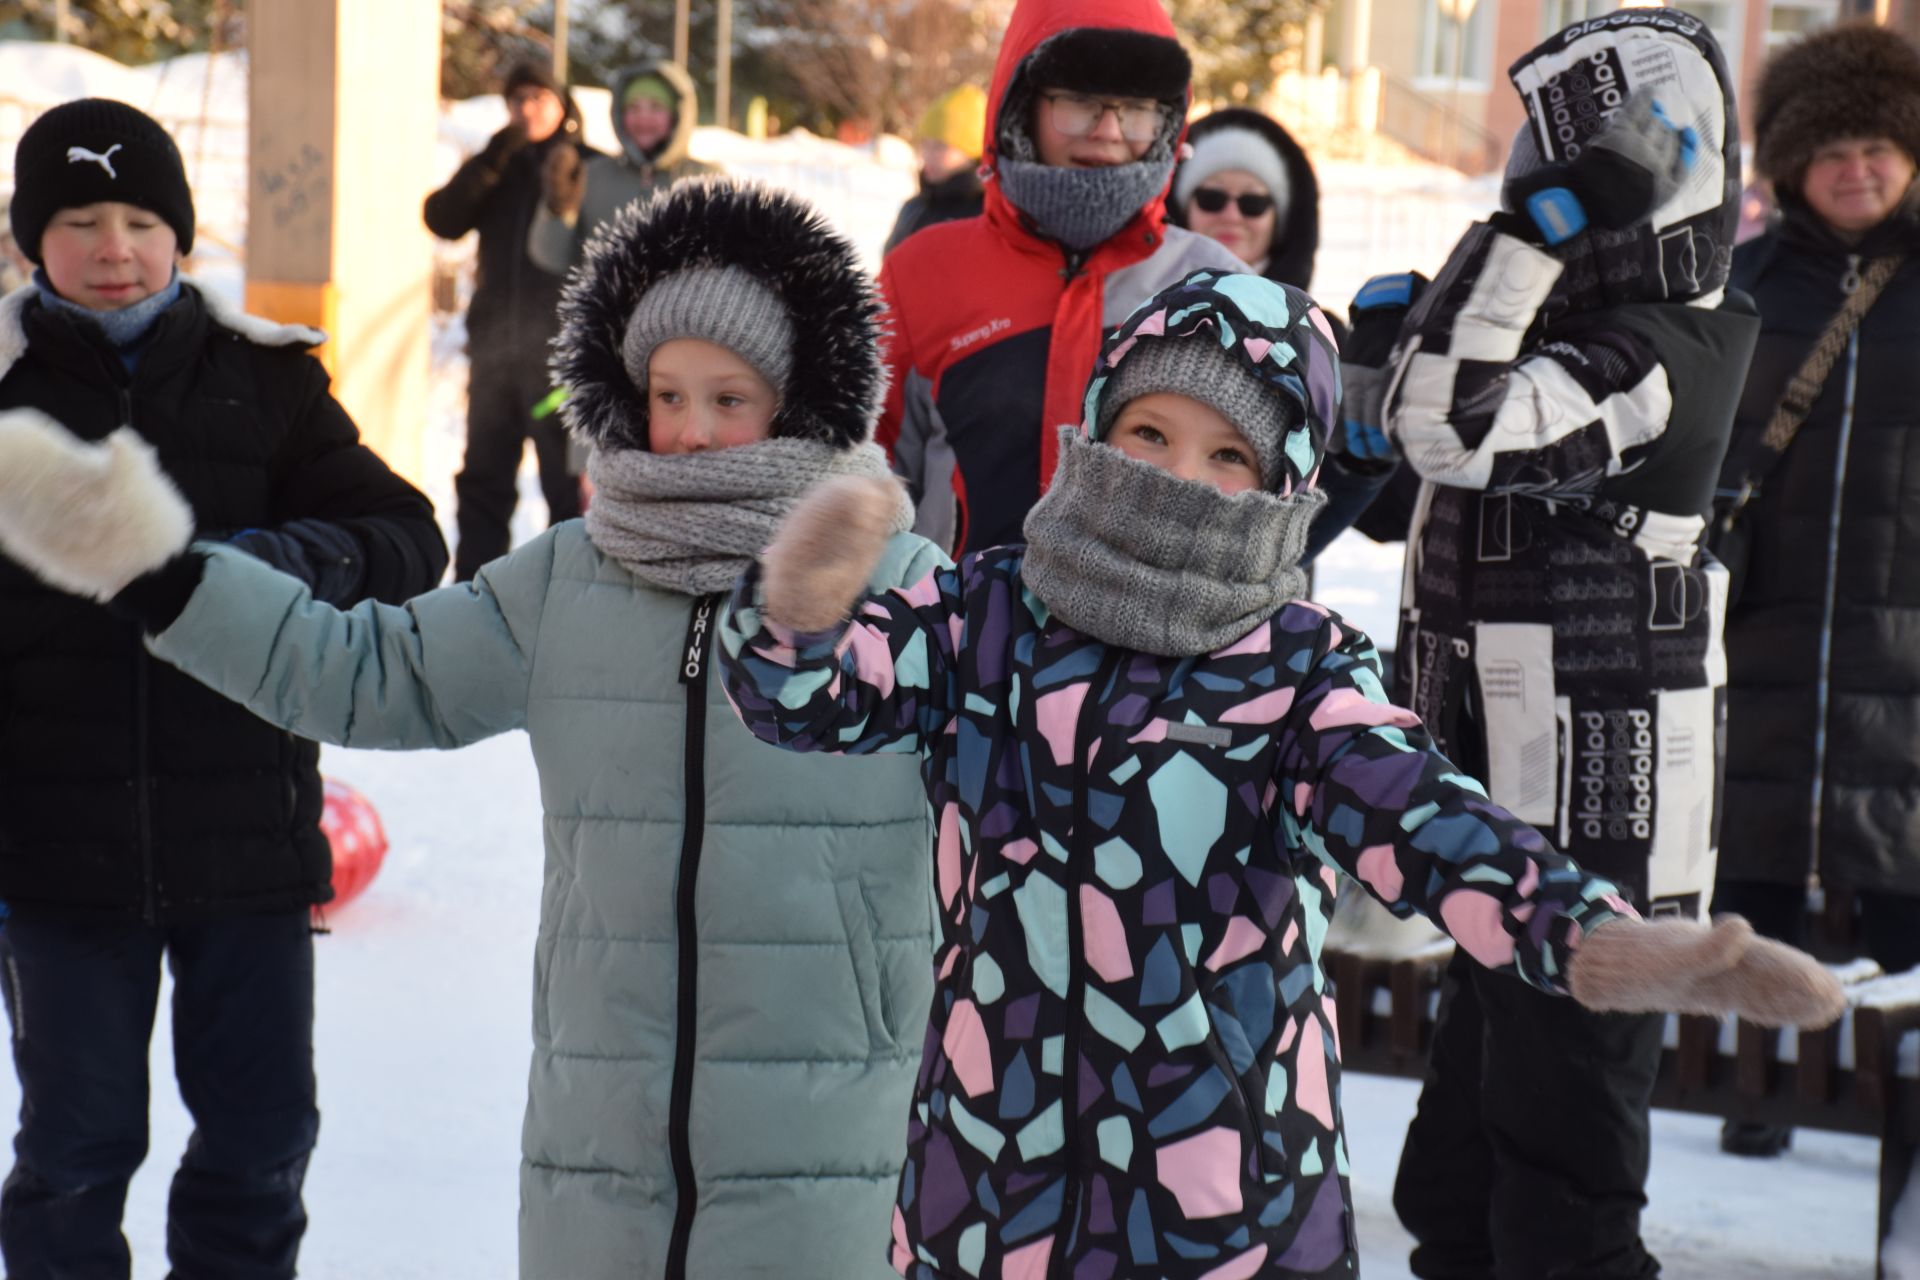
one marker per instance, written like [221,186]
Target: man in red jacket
[997,319]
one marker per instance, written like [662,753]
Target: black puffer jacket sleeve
[333,497]
[456,208]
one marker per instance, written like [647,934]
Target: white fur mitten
[826,550]
[85,517]
[1682,966]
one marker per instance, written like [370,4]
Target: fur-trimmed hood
[838,382]
[1855,81]
[267,333]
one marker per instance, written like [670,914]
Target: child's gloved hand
[1628,170]
[826,550]
[1375,318]
[82,516]
[1682,966]
[563,182]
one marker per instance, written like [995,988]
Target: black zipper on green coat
[1079,853]
[693,678]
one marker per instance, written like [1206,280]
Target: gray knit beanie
[1200,369]
[726,306]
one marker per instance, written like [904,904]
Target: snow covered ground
[425,983]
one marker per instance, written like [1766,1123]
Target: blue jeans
[81,996]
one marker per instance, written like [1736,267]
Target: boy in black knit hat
[513,315]
[146,817]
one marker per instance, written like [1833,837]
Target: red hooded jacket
[995,328]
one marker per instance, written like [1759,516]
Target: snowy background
[425,982]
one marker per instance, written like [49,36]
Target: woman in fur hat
[1823,763]
[722,1055]
[1150,757]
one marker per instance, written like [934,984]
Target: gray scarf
[1140,559]
[1080,208]
[693,522]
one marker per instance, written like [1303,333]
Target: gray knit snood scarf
[1080,207]
[693,522]
[1140,559]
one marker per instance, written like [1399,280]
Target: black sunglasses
[1212,200]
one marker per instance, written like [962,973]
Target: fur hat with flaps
[740,264]
[1854,81]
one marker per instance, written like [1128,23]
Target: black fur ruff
[834,391]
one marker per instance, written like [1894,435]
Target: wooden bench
[1861,1075]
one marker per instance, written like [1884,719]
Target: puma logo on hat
[91,150]
[77,155]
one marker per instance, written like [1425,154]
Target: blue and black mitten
[1629,169]
[1377,313]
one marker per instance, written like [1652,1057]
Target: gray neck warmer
[1140,559]
[693,522]
[126,329]
[1082,207]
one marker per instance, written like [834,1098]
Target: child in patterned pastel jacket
[1148,757]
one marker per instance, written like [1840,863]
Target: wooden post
[344,114]
[723,64]
[681,21]
[560,40]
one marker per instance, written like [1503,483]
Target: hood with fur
[1573,83]
[834,392]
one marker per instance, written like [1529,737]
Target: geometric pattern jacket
[1131,1066]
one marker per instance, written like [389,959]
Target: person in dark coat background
[512,317]
[142,815]
[1250,186]
[1823,640]
[947,139]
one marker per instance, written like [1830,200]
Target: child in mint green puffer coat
[722,1056]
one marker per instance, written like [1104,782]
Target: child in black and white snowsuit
[1565,389]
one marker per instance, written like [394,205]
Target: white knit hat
[1234,148]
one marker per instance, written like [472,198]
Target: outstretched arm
[812,661]
[102,520]
[1364,789]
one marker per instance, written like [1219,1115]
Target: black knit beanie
[91,150]
[535,73]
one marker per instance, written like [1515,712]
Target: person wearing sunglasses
[1250,186]
[997,319]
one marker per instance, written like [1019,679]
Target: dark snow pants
[1889,922]
[1527,1158]
[81,998]
[501,393]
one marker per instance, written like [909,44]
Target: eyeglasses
[1076,115]
[1214,200]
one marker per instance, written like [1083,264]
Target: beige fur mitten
[83,516]
[826,550]
[1682,966]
